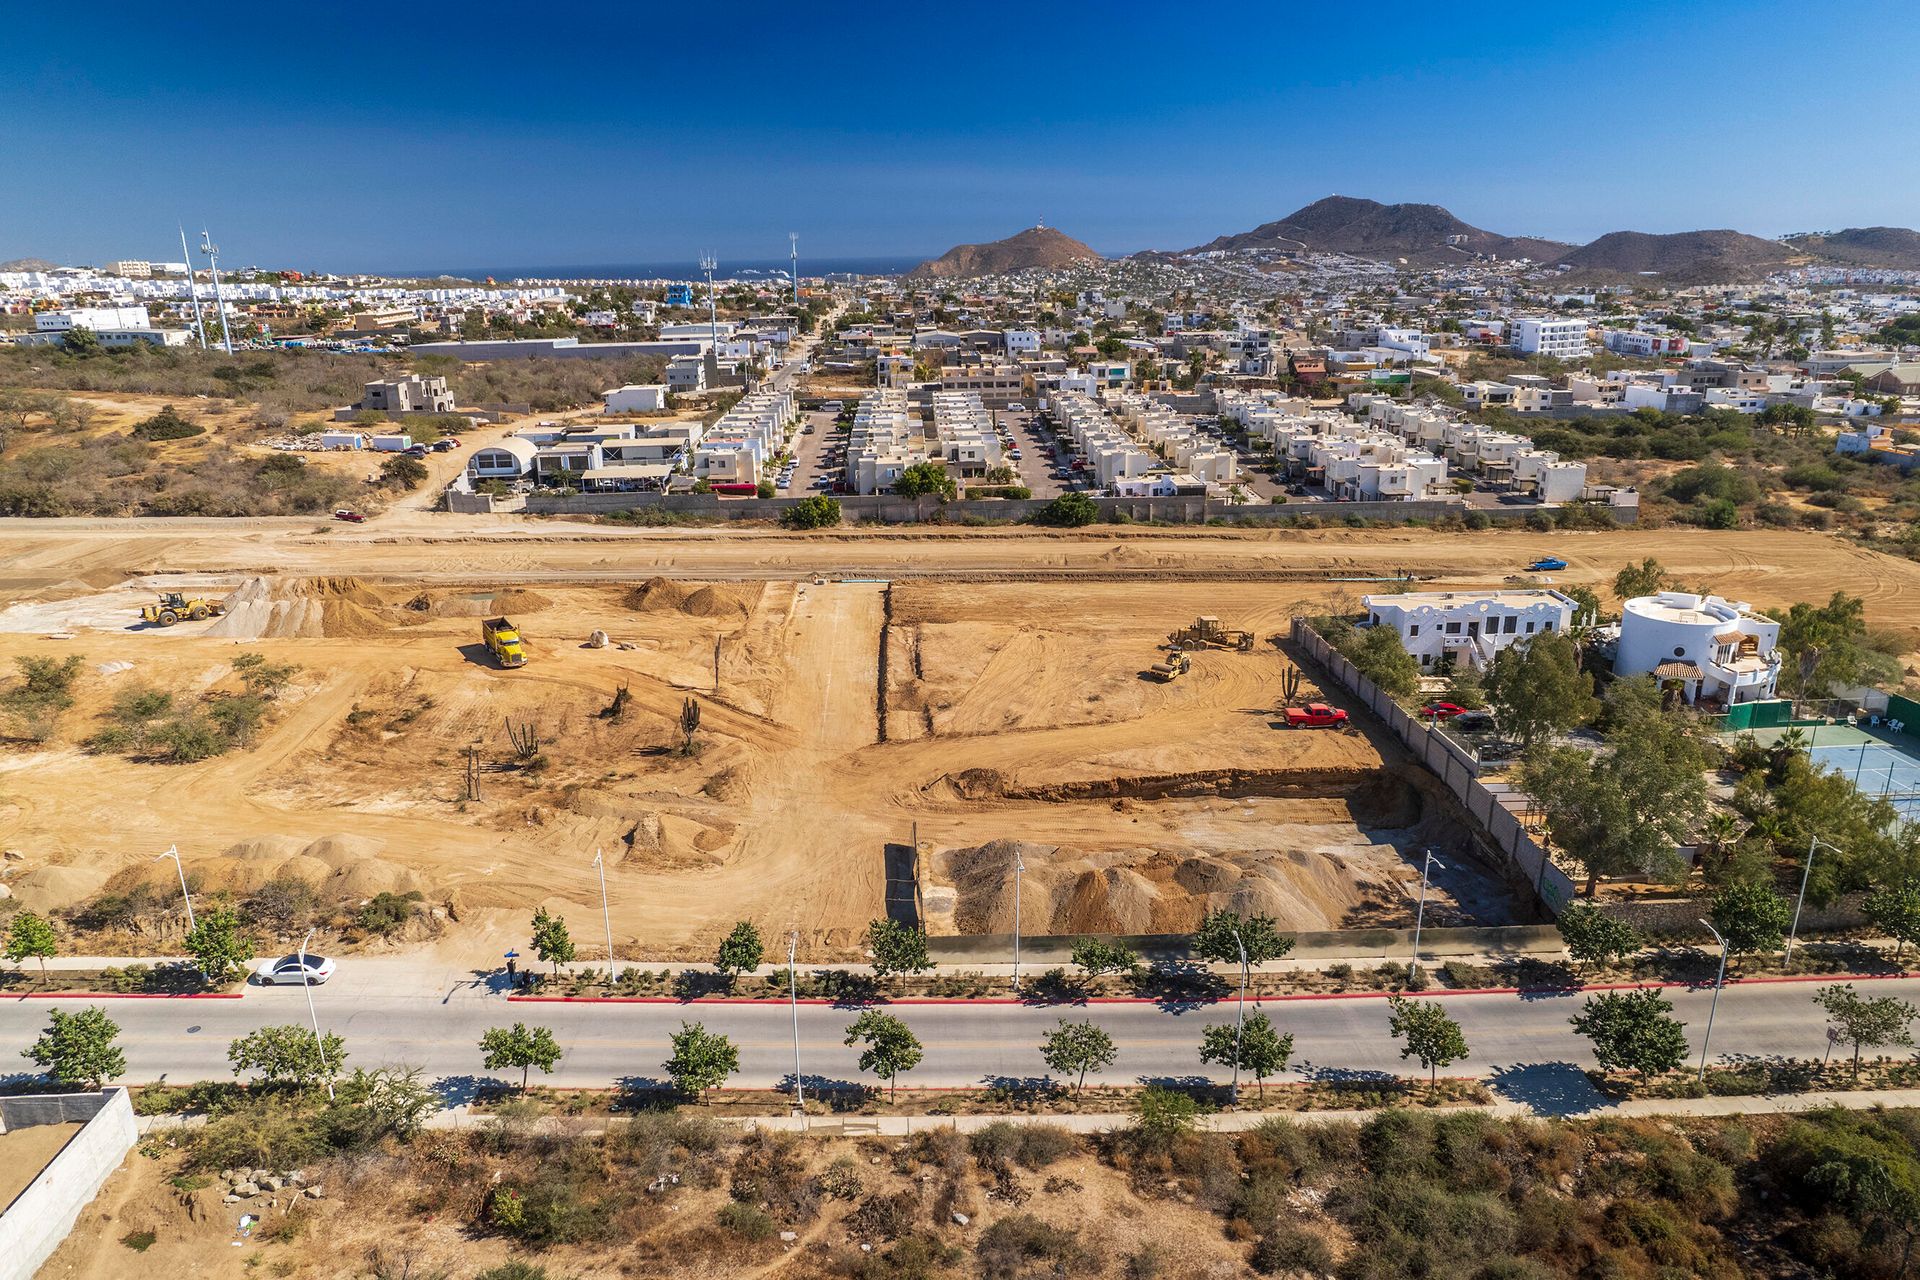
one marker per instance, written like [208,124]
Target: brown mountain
[1423,234]
[1895,247]
[1035,247]
[1685,257]
[27,264]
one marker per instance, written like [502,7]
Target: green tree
[1095,956]
[1430,1035]
[1258,1050]
[1625,812]
[1866,1022]
[30,935]
[1633,1031]
[1594,937]
[897,948]
[219,946]
[816,512]
[1215,939]
[1895,911]
[1379,654]
[1751,917]
[1068,511]
[890,1047]
[1794,800]
[402,472]
[701,1060]
[741,950]
[78,1048]
[551,941]
[520,1046]
[926,478]
[1537,689]
[1074,1048]
[44,694]
[1825,647]
[1643,579]
[289,1056]
[1164,1115]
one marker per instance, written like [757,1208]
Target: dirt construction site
[992,696]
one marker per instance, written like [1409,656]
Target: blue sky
[424,135]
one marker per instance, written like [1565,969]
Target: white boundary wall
[33,1226]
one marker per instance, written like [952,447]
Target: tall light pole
[319,1045]
[173,852]
[1715,1006]
[1805,872]
[1019,865]
[1240,1019]
[707,264]
[793,1003]
[1420,916]
[606,915]
[193,288]
[793,254]
[212,250]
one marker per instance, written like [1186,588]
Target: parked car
[294,970]
[1547,562]
[1315,715]
[414,451]
[1442,710]
[350,516]
[447,445]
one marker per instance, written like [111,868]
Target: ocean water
[688,269]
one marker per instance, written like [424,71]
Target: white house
[508,459]
[687,374]
[636,397]
[1712,648]
[1470,626]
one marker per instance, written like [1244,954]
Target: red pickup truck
[1315,715]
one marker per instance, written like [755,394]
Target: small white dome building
[1716,650]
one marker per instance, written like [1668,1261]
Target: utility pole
[793,1003]
[606,915]
[1713,1008]
[212,250]
[173,852]
[1019,865]
[1240,1019]
[707,264]
[793,252]
[193,288]
[1420,916]
[319,1045]
[1813,843]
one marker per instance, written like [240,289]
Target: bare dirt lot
[994,698]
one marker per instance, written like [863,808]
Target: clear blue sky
[402,136]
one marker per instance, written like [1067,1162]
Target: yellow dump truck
[502,639]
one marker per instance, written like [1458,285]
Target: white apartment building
[687,374]
[1472,627]
[963,430]
[1645,342]
[113,326]
[130,268]
[1564,339]
[885,440]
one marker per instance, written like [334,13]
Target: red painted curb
[126,995]
[1301,995]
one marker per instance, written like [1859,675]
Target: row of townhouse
[1354,460]
[1112,455]
[638,457]
[1175,438]
[1501,457]
[886,439]
[963,431]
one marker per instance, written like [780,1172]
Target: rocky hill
[1035,247]
[1684,257]
[27,264]
[1896,247]
[1422,234]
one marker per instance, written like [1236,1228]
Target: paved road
[1522,1042]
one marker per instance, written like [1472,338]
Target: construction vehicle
[174,607]
[1176,665]
[502,639]
[1206,632]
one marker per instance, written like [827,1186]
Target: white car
[289,970]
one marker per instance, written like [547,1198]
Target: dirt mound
[46,888]
[300,609]
[656,595]
[713,600]
[520,600]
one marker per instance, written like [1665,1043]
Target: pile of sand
[300,609]
[478,604]
[46,888]
[713,600]
[520,600]
[339,866]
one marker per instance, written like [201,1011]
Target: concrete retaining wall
[33,1226]
[1333,944]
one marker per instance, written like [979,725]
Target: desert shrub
[513,1271]
[1292,1249]
[385,913]
[653,1142]
[1032,1146]
[1013,1244]
[257,1134]
[167,425]
[770,1169]
[551,1207]
[747,1221]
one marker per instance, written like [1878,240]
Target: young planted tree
[1429,1034]
[701,1060]
[1074,1048]
[1895,911]
[30,935]
[1594,937]
[1537,689]
[78,1049]
[1751,917]
[218,945]
[1633,1031]
[551,941]
[520,1046]
[897,948]
[289,1057]
[1256,1049]
[740,951]
[890,1047]
[1222,934]
[1097,956]
[1865,1022]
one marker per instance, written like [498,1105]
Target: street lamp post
[1240,1019]
[1420,915]
[173,851]
[319,1045]
[793,1003]
[606,914]
[1813,843]
[1713,1008]
[1019,865]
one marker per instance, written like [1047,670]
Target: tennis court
[1876,769]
